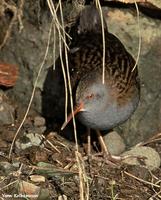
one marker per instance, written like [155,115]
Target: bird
[101,106]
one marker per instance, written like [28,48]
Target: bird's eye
[90,96]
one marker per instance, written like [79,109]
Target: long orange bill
[77,109]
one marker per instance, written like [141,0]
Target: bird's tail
[90,20]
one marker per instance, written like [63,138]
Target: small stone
[40,129]
[6,110]
[62,197]
[37,178]
[152,159]
[35,139]
[38,156]
[8,74]
[3,144]
[16,164]
[114,143]
[26,188]
[39,121]
[28,140]
[6,168]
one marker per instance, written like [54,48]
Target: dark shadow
[53,104]
[53,97]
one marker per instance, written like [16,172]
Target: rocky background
[45,163]
[26,43]
[146,121]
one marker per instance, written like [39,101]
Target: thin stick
[33,92]
[2,188]
[53,12]
[54,45]
[64,76]
[50,143]
[139,31]
[141,180]
[103,40]
[69,84]
[61,37]
[154,138]
[77,154]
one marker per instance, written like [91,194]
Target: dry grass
[97,2]
[17,12]
[58,28]
[139,34]
[33,92]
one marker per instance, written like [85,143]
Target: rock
[38,155]
[28,140]
[3,144]
[62,197]
[28,190]
[152,160]
[40,129]
[16,163]
[6,110]
[8,134]
[8,74]
[39,121]
[37,178]
[156,3]
[125,26]
[114,143]
[6,168]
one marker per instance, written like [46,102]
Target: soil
[51,168]
[105,181]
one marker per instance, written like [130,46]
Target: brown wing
[123,76]
[86,56]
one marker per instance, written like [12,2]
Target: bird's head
[91,98]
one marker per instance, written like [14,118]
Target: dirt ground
[59,174]
[48,166]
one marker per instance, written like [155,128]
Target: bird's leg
[89,141]
[105,150]
[87,145]
[112,159]
[102,143]
[105,155]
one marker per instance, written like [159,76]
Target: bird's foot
[107,158]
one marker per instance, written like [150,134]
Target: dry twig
[17,15]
